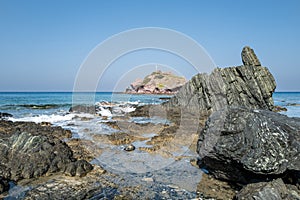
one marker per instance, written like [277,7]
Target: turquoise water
[289,100]
[22,104]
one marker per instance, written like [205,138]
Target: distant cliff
[157,82]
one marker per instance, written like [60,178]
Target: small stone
[148,179]
[130,147]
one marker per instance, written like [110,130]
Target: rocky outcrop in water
[5,115]
[33,154]
[250,85]
[157,82]
[245,145]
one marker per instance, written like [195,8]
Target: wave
[53,118]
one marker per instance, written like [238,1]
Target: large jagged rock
[250,85]
[244,145]
[157,82]
[272,190]
[26,155]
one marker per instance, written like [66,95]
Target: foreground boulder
[275,189]
[245,145]
[26,155]
[250,85]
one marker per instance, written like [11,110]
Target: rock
[249,57]
[243,145]
[4,185]
[9,127]
[83,109]
[279,109]
[130,147]
[249,86]
[26,155]
[275,189]
[210,188]
[5,115]
[157,82]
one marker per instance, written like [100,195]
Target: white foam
[105,112]
[54,118]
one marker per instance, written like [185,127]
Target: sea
[54,107]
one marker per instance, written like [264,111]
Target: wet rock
[84,149]
[45,124]
[279,109]
[248,85]
[26,156]
[5,115]
[275,189]
[211,188]
[4,186]
[83,109]
[130,147]
[249,57]
[9,127]
[244,145]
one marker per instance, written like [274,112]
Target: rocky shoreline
[221,128]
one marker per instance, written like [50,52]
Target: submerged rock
[240,144]
[5,115]
[83,109]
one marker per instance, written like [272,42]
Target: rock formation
[249,58]
[250,85]
[26,155]
[240,144]
[157,82]
[275,189]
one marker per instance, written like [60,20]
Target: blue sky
[43,43]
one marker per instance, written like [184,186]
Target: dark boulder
[4,185]
[9,127]
[245,145]
[83,109]
[272,190]
[5,115]
[26,155]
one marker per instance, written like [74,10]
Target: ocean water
[57,104]
[34,104]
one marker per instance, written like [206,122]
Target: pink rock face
[157,82]
[138,82]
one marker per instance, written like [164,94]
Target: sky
[44,43]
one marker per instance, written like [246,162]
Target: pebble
[130,147]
